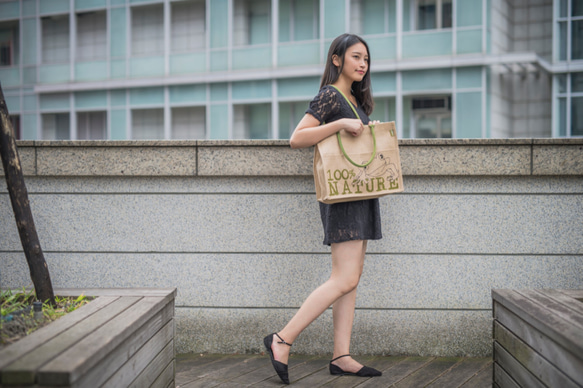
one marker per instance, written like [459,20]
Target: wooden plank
[502,379]
[25,345]
[23,371]
[99,373]
[576,294]
[303,374]
[138,362]
[185,363]
[461,373]
[199,371]
[568,301]
[484,379]
[428,373]
[300,366]
[557,308]
[571,365]
[266,371]
[514,369]
[563,332]
[165,378]
[546,372]
[352,381]
[315,379]
[76,361]
[232,372]
[116,291]
[162,360]
[380,363]
[398,372]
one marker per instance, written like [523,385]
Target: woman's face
[355,62]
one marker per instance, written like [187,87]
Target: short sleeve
[324,105]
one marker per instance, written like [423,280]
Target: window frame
[43,59]
[247,22]
[568,21]
[292,19]
[102,34]
[56,113]
[568,96]
[89,112]
[159,51]
[439,113]
[13,29]
[202,38]
[438,15]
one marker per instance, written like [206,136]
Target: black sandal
[365,371]
[279,367]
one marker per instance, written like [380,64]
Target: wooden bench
[538,338]
[122,338]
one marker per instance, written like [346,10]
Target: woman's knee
[348,284]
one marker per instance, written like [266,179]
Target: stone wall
[234,225]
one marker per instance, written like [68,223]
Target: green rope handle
[374,140]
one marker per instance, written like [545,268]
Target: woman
[348,225]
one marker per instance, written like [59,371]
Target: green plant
[11,301]
[18,317]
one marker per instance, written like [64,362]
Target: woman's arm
[309,131]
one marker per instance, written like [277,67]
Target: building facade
[247,69]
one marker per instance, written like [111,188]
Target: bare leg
[343,313]
[347,262]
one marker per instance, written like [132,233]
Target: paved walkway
[194,370]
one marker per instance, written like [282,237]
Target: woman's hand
[355,126]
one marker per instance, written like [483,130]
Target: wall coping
[282,143]
[220,158]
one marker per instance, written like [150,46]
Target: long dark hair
[361,90]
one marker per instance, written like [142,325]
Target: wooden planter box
[124,337]
[538,338]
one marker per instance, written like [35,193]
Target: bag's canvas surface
[338,180]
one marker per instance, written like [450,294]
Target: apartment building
[246,69]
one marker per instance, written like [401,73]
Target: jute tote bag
[349,168]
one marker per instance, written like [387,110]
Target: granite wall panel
[475,215]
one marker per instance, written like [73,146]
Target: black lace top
[345,221]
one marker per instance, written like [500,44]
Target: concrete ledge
[465,157]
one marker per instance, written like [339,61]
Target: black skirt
[355,220]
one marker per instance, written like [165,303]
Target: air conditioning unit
[432,103]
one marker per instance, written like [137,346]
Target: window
[431,117]
[252,22]
[91,36]
[188,123]
[148,124]
[55,126]
[570,104]
[433,14]
[148,30]
[299,20]
[55,39]
[9,53]
[577,116]
[570,17]
[188,26]
[91,125]
[15,121]
[290,114]
[252,121]
[370,17]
